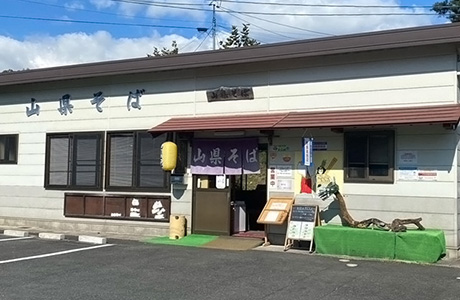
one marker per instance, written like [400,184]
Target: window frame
[72,162]
[390,135]
[136,162]
[6,160]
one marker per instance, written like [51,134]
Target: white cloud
[74,5]
[81,47]
[130,9]
[268,28]
[74,48]
[194,12]
[101,4]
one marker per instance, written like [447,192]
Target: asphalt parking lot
[33,268]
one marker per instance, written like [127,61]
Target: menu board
[303,213]
[302,222]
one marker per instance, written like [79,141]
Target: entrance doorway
[230,205]
[211,211]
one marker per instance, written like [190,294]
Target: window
[9,149]
[369,156]
[133,162]
[74,161]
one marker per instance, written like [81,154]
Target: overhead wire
[280,24]
[189,6]
[264,29]
[97,22]
[252,14]
[223,33]
[340,5]
[207,35]
[155,3]
[179,6]
[331,5]
[182,6]
[227,33]
[102,12]
[192,41]
[333,14]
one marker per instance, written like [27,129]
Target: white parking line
[53,254]
[15,239]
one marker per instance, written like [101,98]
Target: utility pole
[214,24]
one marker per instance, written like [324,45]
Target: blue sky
[45,33]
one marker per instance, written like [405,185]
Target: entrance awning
[221,122]
[446,114]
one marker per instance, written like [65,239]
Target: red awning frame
[448,115]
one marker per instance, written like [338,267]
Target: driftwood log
[397,225]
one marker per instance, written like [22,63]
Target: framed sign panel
[302,222]
[275,211]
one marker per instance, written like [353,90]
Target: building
[379,111]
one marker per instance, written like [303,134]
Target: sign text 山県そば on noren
[225,156]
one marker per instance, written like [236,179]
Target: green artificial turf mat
[194,240]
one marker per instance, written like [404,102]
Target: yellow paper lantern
[168,156]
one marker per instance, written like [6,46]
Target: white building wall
[409,78]
[433,200]
[403,82]
[457,204]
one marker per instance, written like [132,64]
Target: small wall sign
[307,151]
[230,93]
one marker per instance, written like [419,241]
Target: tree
[235,40]
[245,39]
[239,39]
[11,70]
[449,9]
[165,51]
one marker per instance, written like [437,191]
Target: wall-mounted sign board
[230,93]
[275,211]
[122,207]
[302,222]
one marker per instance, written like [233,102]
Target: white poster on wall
[283,170]
[281,178]
[220,181]
[280,155]
[413,174]
[407,173]
[427,175]
[284,185]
